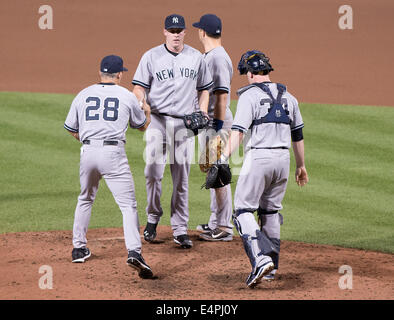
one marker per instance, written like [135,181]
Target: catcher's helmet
[255,62]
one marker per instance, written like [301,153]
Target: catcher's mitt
[211,154]
[218,176]
[196,120]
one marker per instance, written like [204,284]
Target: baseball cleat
[216,235]
[150,232]
[184,241]
[79,255]
[203,228]
[136,261]
[269,276]
[255,277]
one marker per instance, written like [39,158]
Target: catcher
[270,117]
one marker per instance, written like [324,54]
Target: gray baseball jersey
[221,68]
[172,81]
[101,114]
[253,104]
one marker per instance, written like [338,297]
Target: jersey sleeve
[204,79]
[297,122]
[71,123]
[137,115]
[143,74]
[221,75]
[244,115]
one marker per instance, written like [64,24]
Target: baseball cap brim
[175,26]
[197,25]
[125,69]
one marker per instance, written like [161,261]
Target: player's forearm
[146,125]
[220,105]
[147,122]
[298,148]
[75,135]
[203,99]
[233,143]
[146,108]
[139,92]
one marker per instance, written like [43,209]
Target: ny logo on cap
[175,20]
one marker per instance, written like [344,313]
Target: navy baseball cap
[174,21]
[210,23]
[112,64]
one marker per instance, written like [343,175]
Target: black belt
[166,114]
[105,142]
[270,148]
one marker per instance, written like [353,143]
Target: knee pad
[235,215]
[261,237]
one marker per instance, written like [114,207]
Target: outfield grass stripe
[375,146]
[363,180]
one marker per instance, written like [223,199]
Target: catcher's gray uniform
[263,178]
[101,114]
[171,82]
[221,68]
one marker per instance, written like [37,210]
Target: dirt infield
[207,271]
[311,55]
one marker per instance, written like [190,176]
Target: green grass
[349,156]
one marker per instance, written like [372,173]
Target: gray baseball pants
[166,137]
[262,183]
[111,163]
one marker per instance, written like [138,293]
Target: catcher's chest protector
[276,113]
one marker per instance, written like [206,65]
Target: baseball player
[219,227]
[270,118]
[173,76]
[98,117]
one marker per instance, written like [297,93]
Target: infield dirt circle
[209,271]
[319,62]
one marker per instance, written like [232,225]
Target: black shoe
[203,228]
[216,235]
[136,261]
[184,241]
[150,232]
[80,254]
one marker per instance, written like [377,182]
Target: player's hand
[145,106]
[301,176]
